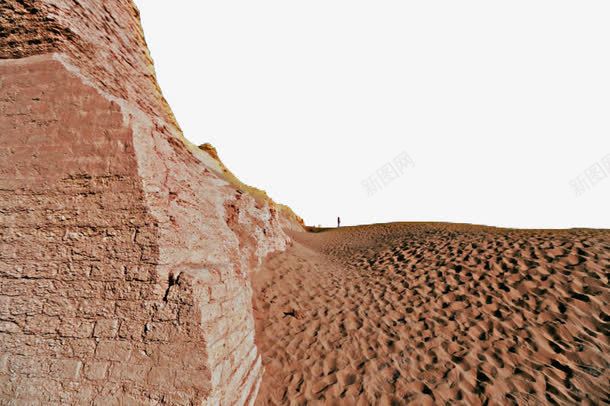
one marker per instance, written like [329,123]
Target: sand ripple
[436,314]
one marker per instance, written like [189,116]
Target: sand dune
[436,314]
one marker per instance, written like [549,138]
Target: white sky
[499,104]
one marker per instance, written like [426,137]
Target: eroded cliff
[125,251]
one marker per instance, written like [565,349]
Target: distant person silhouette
[338,222]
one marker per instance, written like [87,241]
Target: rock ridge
[124,255]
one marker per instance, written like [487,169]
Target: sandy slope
[436,314]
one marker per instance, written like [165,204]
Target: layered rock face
[125,253]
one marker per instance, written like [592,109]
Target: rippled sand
[436,314]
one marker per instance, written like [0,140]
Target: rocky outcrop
[125,252]
[288,219]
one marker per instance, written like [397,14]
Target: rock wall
[124,253]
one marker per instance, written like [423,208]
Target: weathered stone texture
[124,257]
[104,38]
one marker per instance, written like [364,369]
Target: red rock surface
[125,255]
